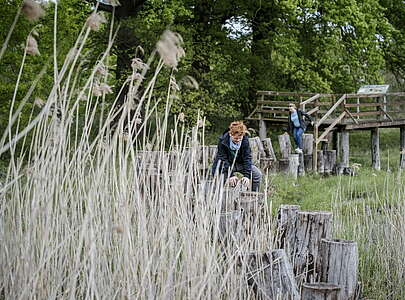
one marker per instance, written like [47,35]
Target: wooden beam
[314,110]
[367,113]
[274,111]
[310,99]
[371,124]
[351,116]
[331,126]
[331,110]
[363,104]
[345,148]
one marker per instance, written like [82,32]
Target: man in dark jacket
[234,155]
[297,124]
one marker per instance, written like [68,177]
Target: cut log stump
[230,227]
[319,291]
[340,266]
[271,275]
[302,242]
[293,164]
[329,157]
[285,145]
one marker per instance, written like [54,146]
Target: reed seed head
[32,10]
[170,48]
[32,46]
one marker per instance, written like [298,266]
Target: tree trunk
[319,291]
[271,275]
[339,266]
[285,145]
[268,148]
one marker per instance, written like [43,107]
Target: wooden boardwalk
[334,113]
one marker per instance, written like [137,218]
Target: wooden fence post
[339,266]
[375,149]
[345,148]
[402,147]
[329,157]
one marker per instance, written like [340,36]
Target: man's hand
[245,181]
[233,180]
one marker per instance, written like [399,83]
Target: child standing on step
[297,124]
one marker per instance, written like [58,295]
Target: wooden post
[307,143]
[286,217]
[229,196]
[301,165]
[302,242]
[320,164]
[315,150]
[308,162]
[375,149]
[340,265]
[230,227]
[402,147]
[345,148]
[283,165]
[257,150]
[319,291]
[262,129]
[285,145]
[268,148]
[251,204]
[335,143]
[329,161]
[293,163]
[271,275]
[268,165]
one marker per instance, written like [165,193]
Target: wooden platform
[332,112]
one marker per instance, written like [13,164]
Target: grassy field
[368,208]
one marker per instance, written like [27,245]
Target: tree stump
[308,143]
[283,165]
[271,275]
[308,162]
[293,164]
[340,265]
[230,227]
[257,150]
[301,165]
[329,157]
[268,165]
[302,243]
[285,145]
[320,162]
[286,218]
[268,148]
[319,291]
[228,200]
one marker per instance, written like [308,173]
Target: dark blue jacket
[224,158]
[302,117]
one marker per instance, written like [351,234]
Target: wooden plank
[314,110]
[291,94]
[388,116]
[351,116]
[331,110]
[310,99]
[371,124]
[367,113]
[331,126]
[271,102]
[363,104]
[274,111]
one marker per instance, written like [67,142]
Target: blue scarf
[233,146]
